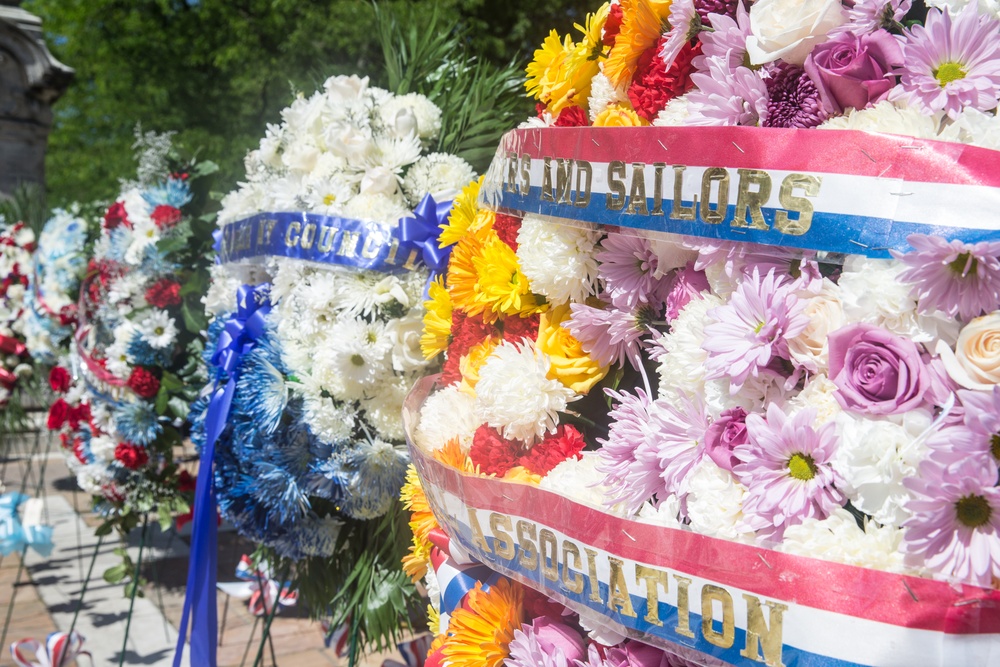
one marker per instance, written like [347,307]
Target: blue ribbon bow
[423,231]
[237,338]
[14,535]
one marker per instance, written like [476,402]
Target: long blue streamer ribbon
[237,338]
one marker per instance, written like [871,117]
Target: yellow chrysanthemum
[463,276]
[481,631]
[502,288]
[618,116]
[522,474]
[570,364]
[437,320]
[454,456]
[434,623]
[466,215]
[592,28]
[643,21]
[470,364]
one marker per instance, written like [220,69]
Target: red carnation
[143,382]
[507,227]
[652,87]
[131,456]
[116,215]
[465,332]
[566,442]
[59,379]
[612,25]
[165,216]
[67,314]
[80,413]
[185,482]
[572,116]
[493,454]
[58,414]
[516,328]
[164,293]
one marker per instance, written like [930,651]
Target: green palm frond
[26,204]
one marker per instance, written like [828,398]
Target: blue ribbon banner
[236,340]
[327,239]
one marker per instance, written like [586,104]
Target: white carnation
[838,538]
[384,407]
[425,115]
[440,175]
[446,414]
[714,501]
[888,118]
[558,259]
[580,480]
[515,395]
[875,456]
[667,513]
[329,422]
[603,95]
[674,114]
[221,295]
[103,447]
[376,208]
[985,7]
[819,394]
[974,127]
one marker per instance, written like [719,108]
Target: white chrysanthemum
[974,127]
[819,394]
[246,200]
[128,290]
[440,175]
[515,395]
[838,538]
[673,114]
[103,447]
[714,502]
[558,259]
[985,7]
[377,208]
[364,293]
[447,414]
[603,95]
[221,295]
[158,329]
[330,423]
[394,153]
[580,480]
[666,514]
[871,292]
[354,358]
[873,458]
[384,407]
[889,118]
[91,477]
[412,112]
[117,352]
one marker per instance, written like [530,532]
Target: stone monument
[31,80]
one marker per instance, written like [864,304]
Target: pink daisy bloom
[982,418]
[955,527]
[786,469]
[685,24]
[956,278]
[870,15]
[727,97]
[951,63]
[726,44]
[609,335]
[677,428]
[752,329]
[628,458]
[629,267]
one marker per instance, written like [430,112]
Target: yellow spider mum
[422,520]
[453,455]
[502,288]
[617,116]
[434,624]
[466,215]
[416,562]
[437,320]
[643,21]
[482,629]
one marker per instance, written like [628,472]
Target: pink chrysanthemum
[685,24]
[609,335]
[870,15]
[793,98]
[726,43]
[951,276]
[951,63]
[982,419]
[678,430]
[786,469]
[727,97]
[629,267]
[955,524]
[752,329]
[628,458]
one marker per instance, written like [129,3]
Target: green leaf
[116,573]
[179,407]
[194,316]
[164,517]
[162,400]
[104,529]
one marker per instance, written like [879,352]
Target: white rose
[789,29]
[379,181]
[349,143]
[826,314]
[301,156]
[405,334]
[403,123]
[975,362]
[343,88]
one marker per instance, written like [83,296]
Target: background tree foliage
[216,71]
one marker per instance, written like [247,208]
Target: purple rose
[854,70]
[724,434]
[876,371]
[688,284]
[552,634]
